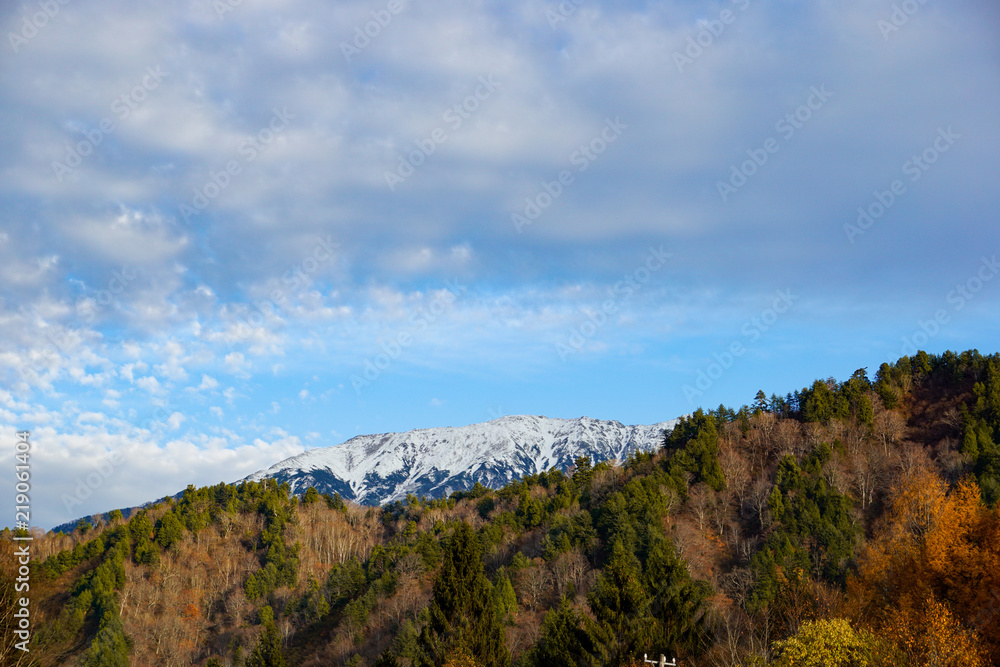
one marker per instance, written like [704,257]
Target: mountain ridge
[383,467]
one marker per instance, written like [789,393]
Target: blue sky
[231,231]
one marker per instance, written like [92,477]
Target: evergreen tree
[311,496]
[620,602]
[387,659]
[110,647]
[760,402]
[462,613]
[568,639]
[694,448]
[168,530]
[268,652]
[505,598]
[678,602]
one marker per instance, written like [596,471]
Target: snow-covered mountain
[373,469]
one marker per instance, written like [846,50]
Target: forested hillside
[847,523]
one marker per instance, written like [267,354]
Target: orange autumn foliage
[930,577]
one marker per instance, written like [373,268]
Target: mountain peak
[383,467]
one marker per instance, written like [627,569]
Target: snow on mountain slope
[374,469]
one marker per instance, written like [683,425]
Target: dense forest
[847,523]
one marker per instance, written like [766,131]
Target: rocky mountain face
[373,469]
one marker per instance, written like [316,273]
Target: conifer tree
[463,614]
[620,602]
[568,639]
[677,602]
[268,652]
[505,598]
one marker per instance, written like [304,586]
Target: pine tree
[505,598]
[568,639]
[387,659]
[463,614]
[268,652]
[168,530]
[620,602]
[110,647]
[677,602]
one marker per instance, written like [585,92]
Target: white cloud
[175,420]
[236,364]
[208,383]
[150,384]
[98,471]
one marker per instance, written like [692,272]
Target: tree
[930,570]
[760,403]
[169,530]
[462,614]
[831,643]
[620,602]
[505,598]
[677,602]
[311,495]
[694,448]
[268,652]
[819,403]
[386,659]
[110,648]
[568,639]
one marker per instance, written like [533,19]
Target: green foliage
[530,511]
[346,581]
[678,603]
[693,448]
[407,642]
[268,651]
[169,530]
[279,566]
[462,613]
[620,602]
[310,496]
[386,659]
[819,404]
[110,647]
[568,639]
[813,530]
[981,431]
[315,604]
[504,598]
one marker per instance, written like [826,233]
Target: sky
[234,230]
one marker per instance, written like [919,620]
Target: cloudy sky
[232,230]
